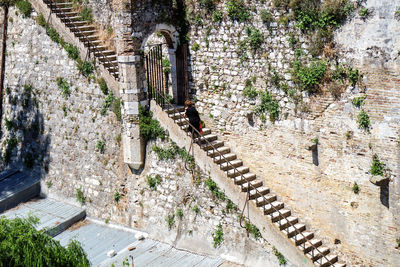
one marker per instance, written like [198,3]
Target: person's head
[188,103]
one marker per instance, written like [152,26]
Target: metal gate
[157,88]
[182,73]
[157,79]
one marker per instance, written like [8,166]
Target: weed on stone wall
[358,102]
[179,213]
[281,258]
[355,188]
[268,104]
[149,127]
[218,236]
[117,196]
[363,121]
[100,146]
[253,230]
[63,85]
[237,10]
[170,219]
[80,196]
[153,181]
[377,167]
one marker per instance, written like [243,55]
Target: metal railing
[112,69]
[314,251]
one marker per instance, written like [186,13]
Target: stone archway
[171,37]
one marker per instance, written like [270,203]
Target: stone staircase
[266,202]
[86,33]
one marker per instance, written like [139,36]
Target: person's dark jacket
[193,115]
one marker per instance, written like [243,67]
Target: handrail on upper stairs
[249,186]
[86,40]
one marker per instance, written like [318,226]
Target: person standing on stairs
[194,118]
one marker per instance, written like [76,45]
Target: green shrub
[377,167]
[72,51]
[149,128]
[100,146]
[355,188]
[281,258]
[80,197]
[9,124]
[213,187]
[359,101]
[85,67]
[41,20]
[364,12]
[311,76]
[170,219]
[363,121]
[179,213]
[153,182]
[266,16]
[53,34]
[268,104]
[108,101]
[63,85]
[255,38]
[23,245]
[25,7]
[250,92]
[218,236]
[353,75]
[166,65]
[116,196]
[195,47]
[196,209]
[237,11]
[103,85]
[252,229]
[86,14]
[217,16]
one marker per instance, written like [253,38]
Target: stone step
[236,172]
[241,179]
[231,164]
[252,185]
[17,187]
[173,110]
[227,157]
[301,238]
[212,145]
[74,24]
[90,38]
[182,121]
[176,115]
[310,245]
[329,261]
[286,222]
[295,229]
[219,151]
[208,137]
[282,214]
[98,53]
[272,207]
[74,19]
[60,12]
[108,61]
[315,255]
[261,191]
[83,28]
[85,33]
[261,201]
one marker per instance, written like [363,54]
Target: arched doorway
[166,66]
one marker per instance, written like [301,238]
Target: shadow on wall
[24,144]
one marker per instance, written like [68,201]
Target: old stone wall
[62,136]
[364,225]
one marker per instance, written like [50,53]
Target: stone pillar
[132,91]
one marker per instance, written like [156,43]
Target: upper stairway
[266,203]
[86,33]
